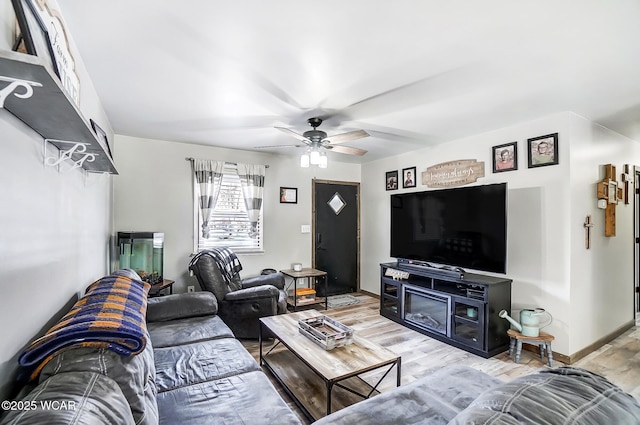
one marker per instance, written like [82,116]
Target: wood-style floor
[619,361]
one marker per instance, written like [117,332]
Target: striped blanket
[111,315]
[225,259]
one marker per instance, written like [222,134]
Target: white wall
[55,226]
[602,292]
[6,24]
[546,257]
[154,193]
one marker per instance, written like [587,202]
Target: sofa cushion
[205,361]
[433,399]
[247,398]
[181,306]
[187,331]
[79,398]
[276,279]
[563,395]
[135,375]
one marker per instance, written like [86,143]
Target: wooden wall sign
[453,173]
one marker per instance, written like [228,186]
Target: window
[229,223]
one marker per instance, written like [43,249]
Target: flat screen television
[462,227]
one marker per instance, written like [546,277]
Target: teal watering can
[530,321]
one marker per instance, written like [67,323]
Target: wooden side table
[157,288]
[309,274]
[543,341]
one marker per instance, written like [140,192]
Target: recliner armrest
[262,291]
[275,279]
[181,306]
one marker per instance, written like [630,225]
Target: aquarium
[142,252]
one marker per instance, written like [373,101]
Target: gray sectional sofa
[457,395]
[192,371]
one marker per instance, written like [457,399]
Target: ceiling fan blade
[294,134]
[347,149]
[444,84]
[218,123]
[278,146]
[236,62]
[395,134]
[347,137]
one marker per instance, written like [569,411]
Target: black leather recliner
[242,302]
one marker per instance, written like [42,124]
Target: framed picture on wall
[409,177]
[392,180]
[288,195]
[543,150]
[505,157]
[102,137]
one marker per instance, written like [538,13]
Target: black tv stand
[448,304]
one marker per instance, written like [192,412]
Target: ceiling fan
[317,139]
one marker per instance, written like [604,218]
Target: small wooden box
[326,332]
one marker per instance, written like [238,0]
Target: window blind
[229,224]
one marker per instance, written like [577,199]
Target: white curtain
[208,180]
[252,182]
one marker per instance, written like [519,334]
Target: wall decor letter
[14,84]
[78,149]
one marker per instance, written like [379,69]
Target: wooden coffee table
[309,373]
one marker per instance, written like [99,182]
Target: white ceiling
[412,73]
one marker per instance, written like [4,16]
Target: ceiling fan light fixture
[317,141]
[304,160]
[314,157]
[323,160]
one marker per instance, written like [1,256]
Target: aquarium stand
[157,289]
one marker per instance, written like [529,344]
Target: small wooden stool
[543,341]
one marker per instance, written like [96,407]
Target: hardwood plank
[618,361]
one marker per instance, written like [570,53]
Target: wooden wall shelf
[49,111]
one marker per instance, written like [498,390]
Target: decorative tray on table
[326,332]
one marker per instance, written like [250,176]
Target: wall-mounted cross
[587,231]
[608,189]
[626,181]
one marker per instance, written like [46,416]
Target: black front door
[336,235]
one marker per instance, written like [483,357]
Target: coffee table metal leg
[329,389]
[295,295]
[326,293]
[374,388]
[260,341]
